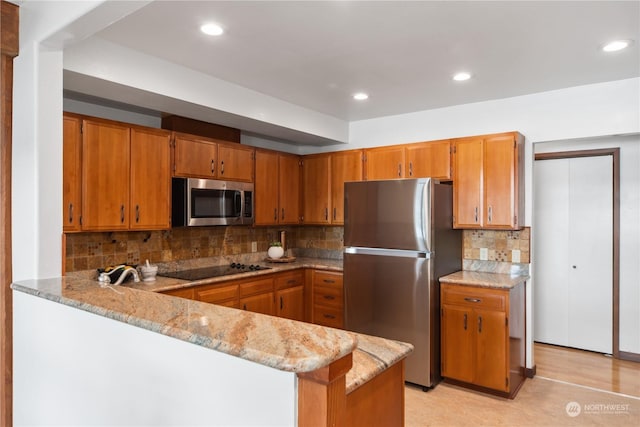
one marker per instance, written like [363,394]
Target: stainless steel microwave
[198,202]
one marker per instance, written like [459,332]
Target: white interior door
[573,210]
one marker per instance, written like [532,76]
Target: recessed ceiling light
[616,45]
[461,76]
[212,29]
[361,96]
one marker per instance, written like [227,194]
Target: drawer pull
[291,281]
[329,316]
[329,297]
[473,299]
[329,281]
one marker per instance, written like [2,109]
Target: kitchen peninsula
[263,370]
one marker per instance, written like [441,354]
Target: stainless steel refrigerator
[399,240]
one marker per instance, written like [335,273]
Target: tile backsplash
[86,251]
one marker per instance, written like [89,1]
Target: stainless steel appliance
[399,240]
[211,202]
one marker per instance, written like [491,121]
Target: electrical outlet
[515,255]
[484,254]
[254,246]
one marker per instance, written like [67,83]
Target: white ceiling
[403,53]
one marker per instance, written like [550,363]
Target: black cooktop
[217,271]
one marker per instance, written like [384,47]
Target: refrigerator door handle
[388,252]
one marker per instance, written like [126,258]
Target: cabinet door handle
[213,166]
[222,167]
[465,321]
[329,316]
[479,324]
[472,299]
[122,214]
[137,213]
[275,214]
[70,213]
[334,214]
[326,214]
[244,306]
[283,214]
[489,215]
[330,297]
[281,303]
[476,220]
[410,168]
[399,170]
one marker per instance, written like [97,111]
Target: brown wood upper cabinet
[199,157]
[488,183]
[417,160]
[125,177]
[323,178]
[277,188]
[71,173]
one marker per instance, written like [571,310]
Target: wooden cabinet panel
[332,317]
[345,166]
[261,303]
[429,159]
[289,189]
[150,179]
[236,162]
[457,343]
[289,279]
[72,172]
[316,189]
[187,293]
[291,303]
[491,349]
[266,188]
[482,336]
[500,160]
[277,188]
[105,176]
[467,183]
[488,187]
[195,157]
[256,286]
[385,162]
[217,294]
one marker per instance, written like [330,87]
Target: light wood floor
[606,389]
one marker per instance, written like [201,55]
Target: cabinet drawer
[181,293]
[289,280]
[217,294]
[256,287]
[474,297]
[328,316]
[328,296]
[326,278]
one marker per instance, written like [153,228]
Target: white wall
[74,368]
[629,226]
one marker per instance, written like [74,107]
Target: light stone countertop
[279,343]
[482,279]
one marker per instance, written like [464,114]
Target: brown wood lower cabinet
[483,337]
[290,295]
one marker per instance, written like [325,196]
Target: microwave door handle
[237,202]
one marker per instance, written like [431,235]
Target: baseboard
[625,355]
[530,372]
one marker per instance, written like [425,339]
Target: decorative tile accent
[499,243]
